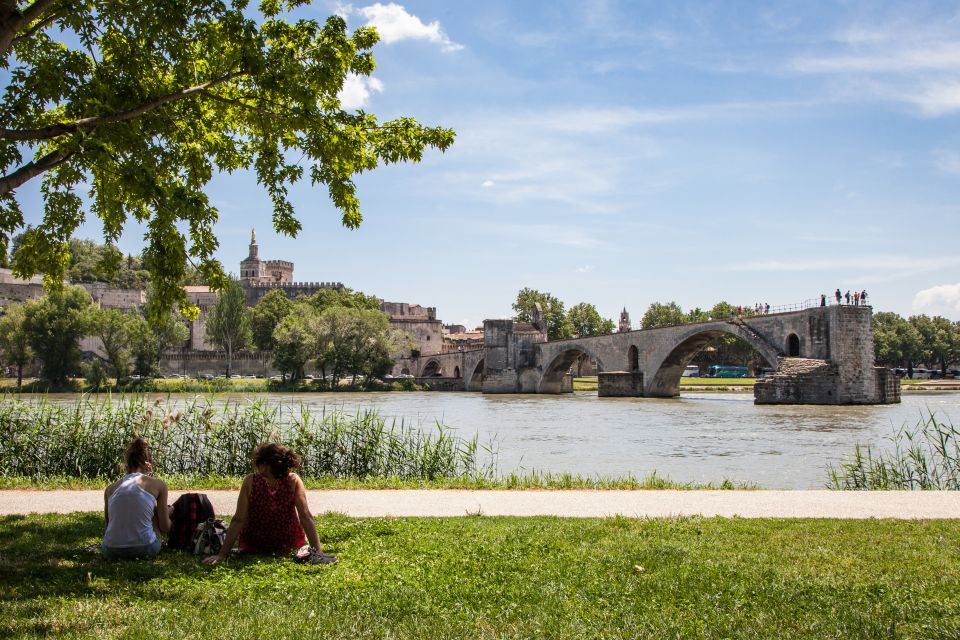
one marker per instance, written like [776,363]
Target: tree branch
[242,104]
[41,24]
[64,128]
[12,19]
[33,169]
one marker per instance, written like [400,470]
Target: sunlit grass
[483,577]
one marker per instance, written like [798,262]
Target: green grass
[480,577]
[529,480]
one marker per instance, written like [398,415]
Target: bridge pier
[620,384]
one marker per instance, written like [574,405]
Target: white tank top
[130,513]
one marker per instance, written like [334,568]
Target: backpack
[189,511]
[208,538]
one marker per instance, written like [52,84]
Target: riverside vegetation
[925,456]
[202,444]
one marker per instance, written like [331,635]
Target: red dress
[272,523]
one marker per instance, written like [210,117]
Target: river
[699,437]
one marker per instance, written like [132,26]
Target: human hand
[213,559]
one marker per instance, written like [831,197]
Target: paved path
[580,504]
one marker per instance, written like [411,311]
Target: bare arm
[236,523]
[163,510]
[303,512]
[106,502]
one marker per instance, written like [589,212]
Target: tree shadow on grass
[57,556]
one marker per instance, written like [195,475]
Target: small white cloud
[585,268]
[942,300]
[343,10]
[394,24]
[937,99]
[947,162]
[487,184]
[357,90]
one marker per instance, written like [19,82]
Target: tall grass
[42,439]
[926,456]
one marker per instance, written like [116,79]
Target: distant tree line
[581,321]
[90,261]
[899,342]
[341,332]
[50,328]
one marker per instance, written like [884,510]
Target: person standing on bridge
[863,297]
[839,296]
[823,299]
[856,298]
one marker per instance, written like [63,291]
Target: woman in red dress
[272,514]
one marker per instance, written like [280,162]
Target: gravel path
[579,504]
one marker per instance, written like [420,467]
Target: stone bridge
[822,355]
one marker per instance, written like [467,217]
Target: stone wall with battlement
[256,290]
[406,311]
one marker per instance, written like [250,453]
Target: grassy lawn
[481,577]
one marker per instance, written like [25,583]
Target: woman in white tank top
[135,508]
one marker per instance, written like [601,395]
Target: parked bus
[691,371]
[727,371]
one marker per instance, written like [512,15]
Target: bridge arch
[456,372]
[633,358]
[553,373]
[431,369]
[669,363]
[473,380]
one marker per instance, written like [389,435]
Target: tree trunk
[19,376]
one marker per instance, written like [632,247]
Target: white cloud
[394,24]
[947,162]
[488,184]
[918,65]
[911,264]
[585,269]
[936,99]
[357,90]
[943,300]
[944,56]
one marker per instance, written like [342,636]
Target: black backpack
[190,510]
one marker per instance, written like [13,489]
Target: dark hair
[137,454]
[279,458]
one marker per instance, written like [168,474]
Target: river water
[706,437]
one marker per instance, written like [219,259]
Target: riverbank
[486,577]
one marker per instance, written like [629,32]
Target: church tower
[252,269]
[624,321]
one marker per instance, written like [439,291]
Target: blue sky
[626,153]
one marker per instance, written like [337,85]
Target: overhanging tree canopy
[145,101]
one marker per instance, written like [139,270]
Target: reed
[925,456]
[42,439]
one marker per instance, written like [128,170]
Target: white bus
[691,371]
